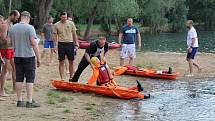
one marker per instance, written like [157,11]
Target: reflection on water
[174,101]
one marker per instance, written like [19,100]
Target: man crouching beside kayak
[97,49]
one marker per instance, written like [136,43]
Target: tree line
[156,15]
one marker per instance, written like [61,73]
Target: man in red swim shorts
[7,51]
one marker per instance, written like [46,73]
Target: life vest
[104,76]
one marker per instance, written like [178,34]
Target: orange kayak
[123,93]
[145,72]
[83,44]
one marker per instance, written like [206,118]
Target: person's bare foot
[2,99]
[200,69]
[3,94]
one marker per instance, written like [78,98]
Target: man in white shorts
[127,38]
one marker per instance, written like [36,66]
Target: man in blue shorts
[192,46]
[46,35]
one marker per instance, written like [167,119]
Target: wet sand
[69,106]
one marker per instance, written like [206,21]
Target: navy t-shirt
[129,34]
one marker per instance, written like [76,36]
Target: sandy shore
[68,106]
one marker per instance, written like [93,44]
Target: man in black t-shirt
[98,49]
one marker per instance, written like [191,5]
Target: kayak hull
[84,45]
[152,75]
[144,72]
[107,91]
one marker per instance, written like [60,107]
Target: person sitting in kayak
[98,49]
[103,76]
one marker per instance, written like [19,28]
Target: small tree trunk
[42,11]
[90,22]
[10,3]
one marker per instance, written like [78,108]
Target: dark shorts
[66,49]
[48,44]
[25,68]
[192,54]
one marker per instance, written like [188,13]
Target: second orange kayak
[145,72]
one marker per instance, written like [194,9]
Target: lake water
[175,42]
[190,100]
[179,100]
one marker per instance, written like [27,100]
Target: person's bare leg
[122,61]
[71,68]
[197,65]
[51,55]
[19,90]
[13,74]
[29,89]
[3,77]
[61,69]
[131,61]
[190,62]
[67,66]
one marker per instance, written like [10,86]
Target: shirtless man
[7,51]
[2,25]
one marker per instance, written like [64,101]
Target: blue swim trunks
[192,54]
[48,44]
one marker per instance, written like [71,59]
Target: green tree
[91,10]
[202,12]
[154,13]
[3,10]
[177,16]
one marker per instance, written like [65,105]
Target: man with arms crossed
[25,47]
[7,51]
[65,35]
[192,46]
[127,38]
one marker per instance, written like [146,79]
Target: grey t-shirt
[48,30]
[21,35]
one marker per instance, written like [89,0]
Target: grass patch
[52,97]
[60,106]
[91,108]
[65,99]
[77,93]
[53,94]
[66,111]
[51,101]
[8,89]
